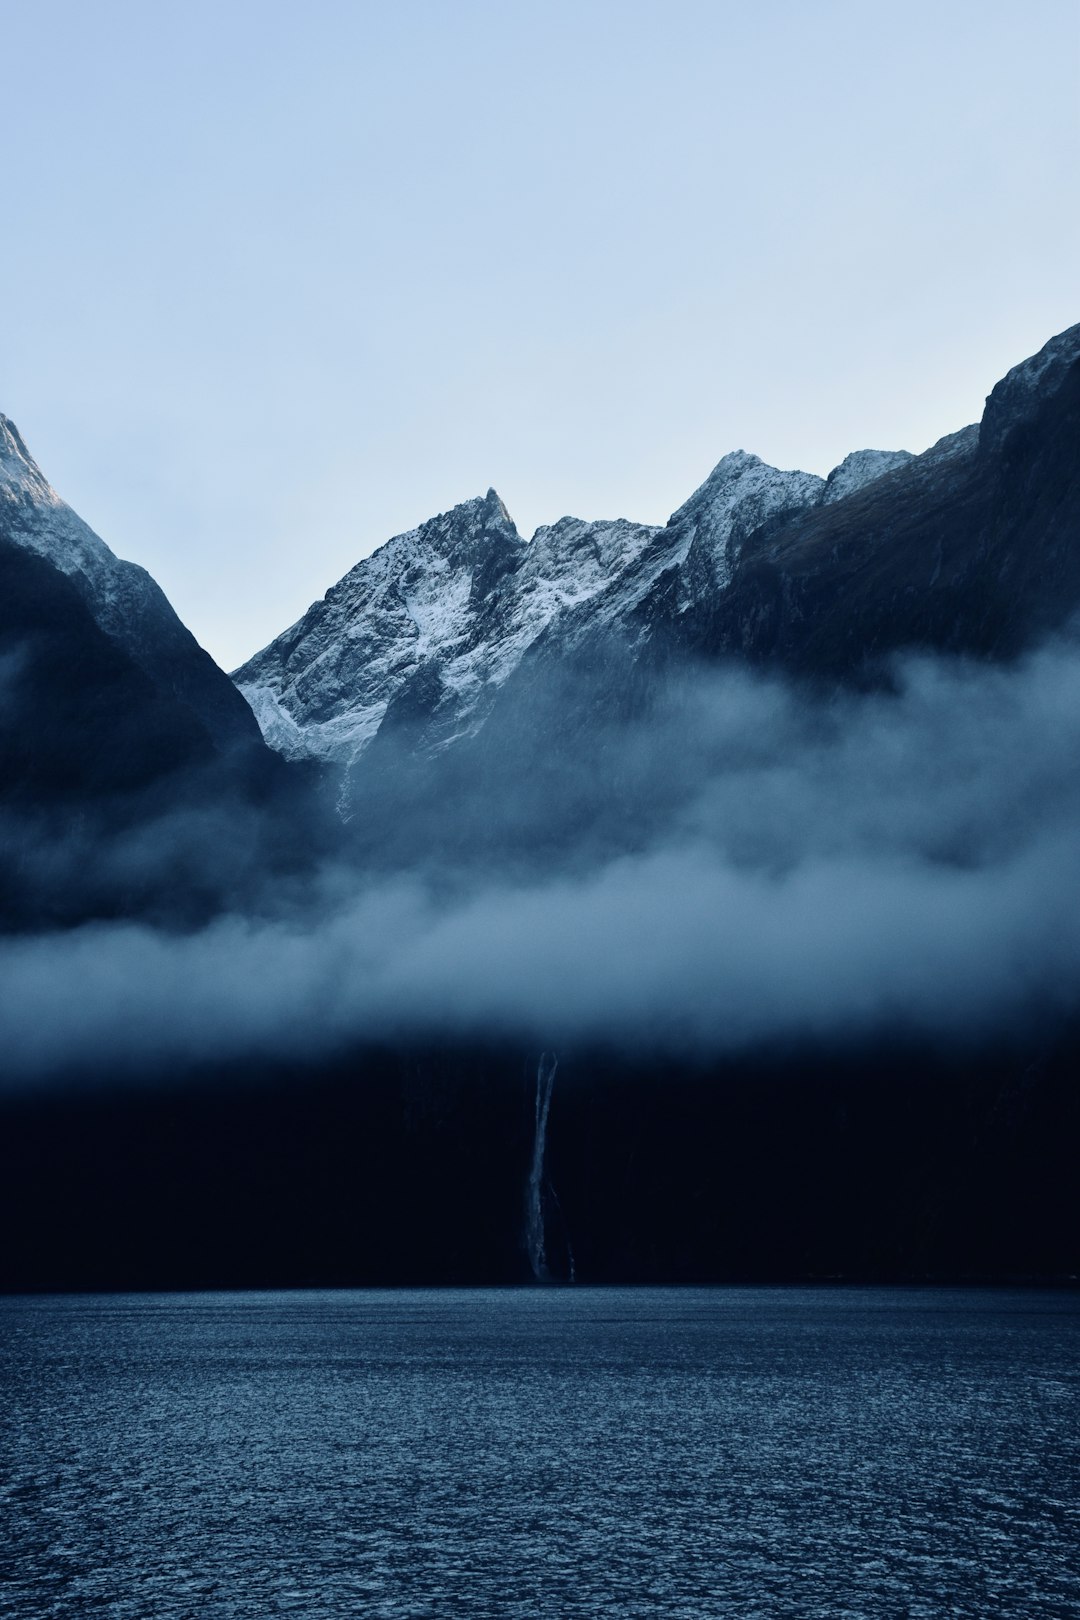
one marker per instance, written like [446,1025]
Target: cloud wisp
[902,862]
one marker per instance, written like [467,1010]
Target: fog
[756,866]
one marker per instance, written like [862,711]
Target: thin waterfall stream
[534,1215]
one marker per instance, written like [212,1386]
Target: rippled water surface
[722,1452]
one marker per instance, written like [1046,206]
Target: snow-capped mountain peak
[446,612]
[21,479]
[434,623]
[456,602]
[40,521]
[323,687]
[740,494]
[470,528]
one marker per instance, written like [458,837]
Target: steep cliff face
[122,599]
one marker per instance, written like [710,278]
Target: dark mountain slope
[133,777]
[121,597]
[79,720]
[115,800]
[973,548]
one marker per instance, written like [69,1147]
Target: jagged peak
[740,474]
[19,472]
[739,458]
[472,529]
[482,520]
[12,442]
[575,525]
[581,549]
[734,465]
[561,525]
[494,502]
[490,505]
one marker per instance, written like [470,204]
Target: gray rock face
[123,599]
[443,612]
[437,619]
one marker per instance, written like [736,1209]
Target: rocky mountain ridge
[446,612]
[821,575]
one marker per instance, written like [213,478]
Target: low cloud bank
[904,862]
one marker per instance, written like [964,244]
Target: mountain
[972,548]
[121,598]
[79,719]
[440,615]
[797,921]
[436,620]
[135,779]
[969,547]
[473,684]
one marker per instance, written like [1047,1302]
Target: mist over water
[733,863]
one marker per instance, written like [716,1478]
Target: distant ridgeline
[663,755]
[968,548]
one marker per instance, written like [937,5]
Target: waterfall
[534,1214]
[341,805]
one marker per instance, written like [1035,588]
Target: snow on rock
[860,468]
[21,479]
[448,610]
[461,598]
[323,687]
[740,494]
[568,566]
[36,518]
[434,622]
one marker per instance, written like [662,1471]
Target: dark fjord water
[720,1453]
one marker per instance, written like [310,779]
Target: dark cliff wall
[882,1163]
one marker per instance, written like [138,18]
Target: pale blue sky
[281,280]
